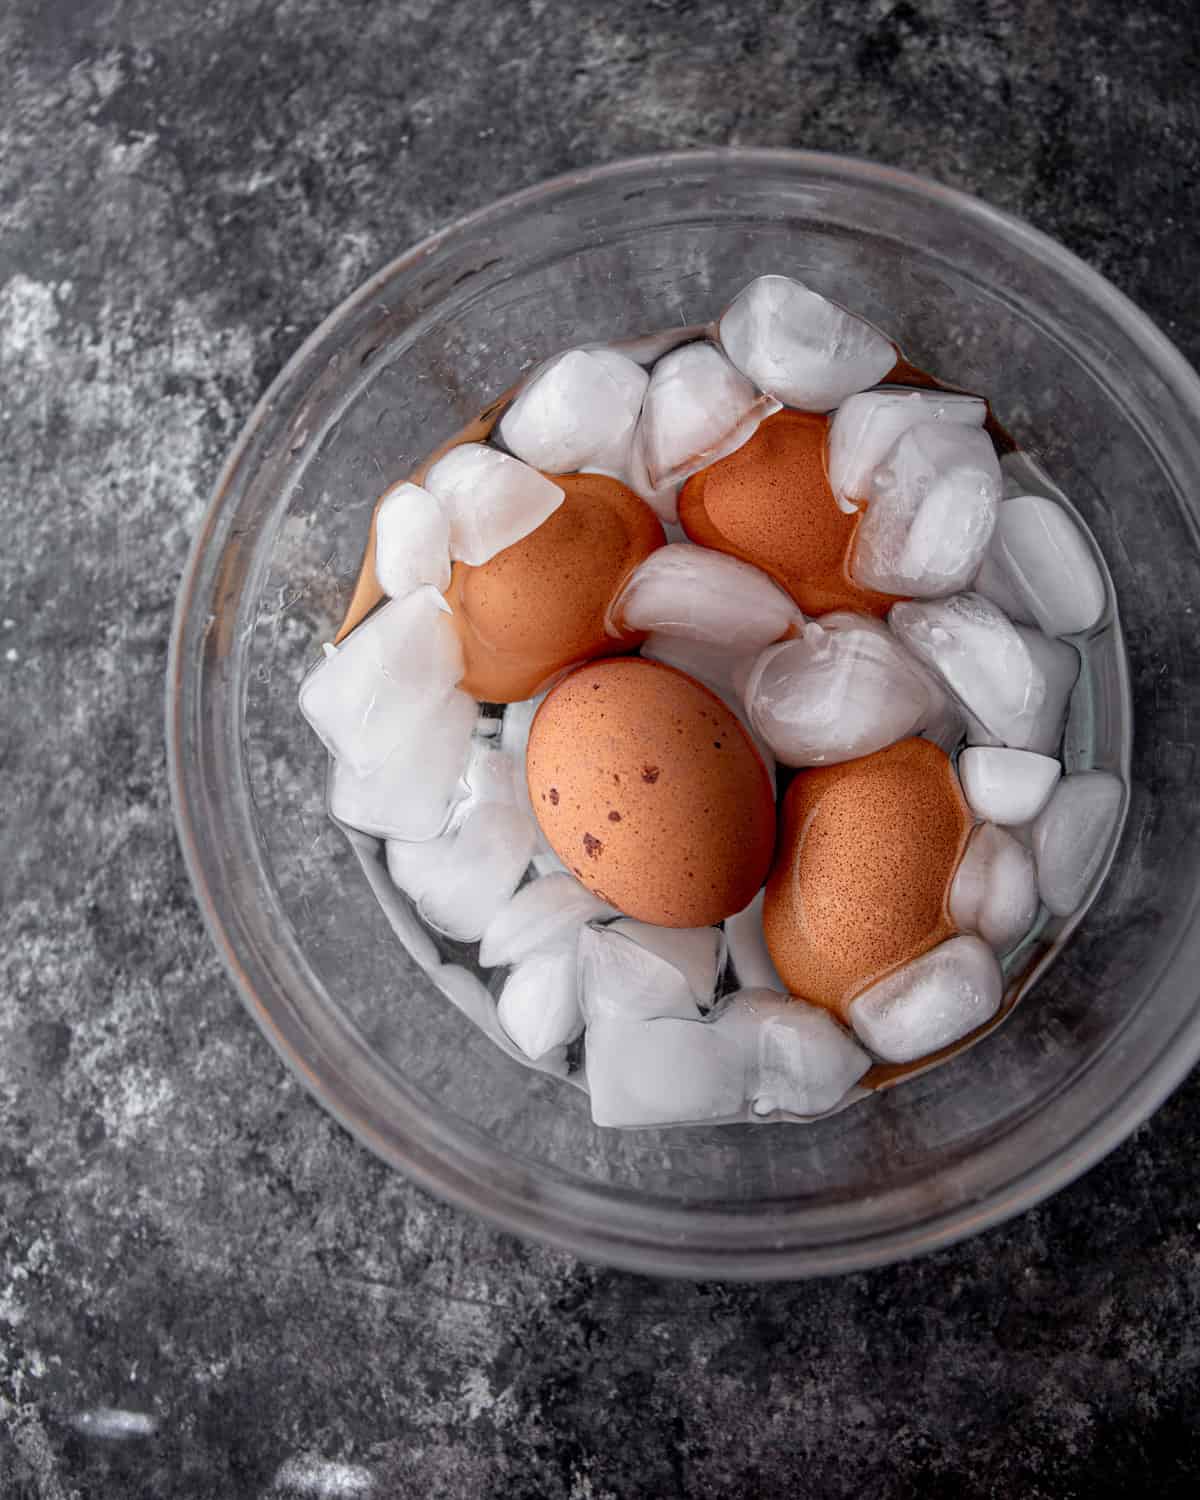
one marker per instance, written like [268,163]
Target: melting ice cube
[797,1057]
[578,411]
[865,427]
[1044,562]
[462,879]
[697,409]
[490,498]
[1007,786]
[539,1004]
[800,348]
[666,1071]
[1072,836]
[994,891]
[411,795]
[412,541]
[844,687]
[545,914]
[931,510]
[1013,682]
[705,596]
[622,980]
[384,681]
[929,1003]
[695,952]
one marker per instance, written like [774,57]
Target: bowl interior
[1081,381]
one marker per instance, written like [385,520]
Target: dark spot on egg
[650,774]
[614,817]
[592,846]
[553,796]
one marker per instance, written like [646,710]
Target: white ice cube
[544,914]
[665,1071]
[1058,662]
[801,348]
[931,510]
[844,687]
[490,775]
[748,953]
[706,596]
[621,979]
[1049,566]
[579,410]
[929,1003]
[1007,786]
[461,880]
[490,498]
[996,670]
[696,952]
[1072,836]
[411,795]
[539,1004]
[993,583]
[994,891]
[412,541]
[797,1057]
[865,427]
[384,680]
[697,409]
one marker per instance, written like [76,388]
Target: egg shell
[539,606]
[867,853]
[650,791]
[770,504]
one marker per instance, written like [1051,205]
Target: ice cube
[461,880]
[929,1003]
[706,596]
[1072,836]
[752,963]
[696,952]
[844,687]
[800,348]
[1048,565]
[931,510]
[580,409]
[986,662]
[697,409]
[993,583]
[620,979]
[1058,662]
[1007,786]
[490,498]
[663,1072]
[865,427]
[412,541]
[994,891]
[712,665]
[544,914]
[411,795]
[539,1004]
[490,775]
[797,1057]
[384,681]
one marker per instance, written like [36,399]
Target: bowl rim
[528,1215]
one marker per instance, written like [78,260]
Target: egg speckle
[867,852]
[541,605]
[661,805]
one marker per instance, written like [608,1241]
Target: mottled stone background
[206,1288]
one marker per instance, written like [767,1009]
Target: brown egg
[649,789]
[540,605]
[861,881]
[770,504]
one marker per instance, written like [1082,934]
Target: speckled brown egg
[770,504]
[540,605]
[861,881]
[649,789]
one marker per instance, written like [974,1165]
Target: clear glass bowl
[1082,380]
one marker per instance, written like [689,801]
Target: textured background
[185,189]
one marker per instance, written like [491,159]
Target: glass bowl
[1082,380]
